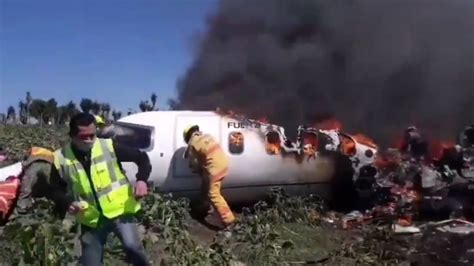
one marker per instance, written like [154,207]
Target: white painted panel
[209,124]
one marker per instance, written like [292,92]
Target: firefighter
[104,131]
[467,137]
[36,170]
[100,124]
[99,121]
[100,196]
[32,182]
[414,145]
[209,160]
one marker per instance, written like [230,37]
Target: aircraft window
[134,136]
[310,143]
[236,142]
[273,143]
[347,145]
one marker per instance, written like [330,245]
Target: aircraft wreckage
[262,157]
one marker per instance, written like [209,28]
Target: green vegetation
[280,230]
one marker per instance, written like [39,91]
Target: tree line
[39,111]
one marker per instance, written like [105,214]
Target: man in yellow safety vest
[99,194]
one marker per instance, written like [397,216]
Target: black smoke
[377,66]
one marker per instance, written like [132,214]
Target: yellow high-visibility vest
[114,191]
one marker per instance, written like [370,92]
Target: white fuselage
[252,170]
[251,173]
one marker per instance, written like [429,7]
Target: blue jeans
[93,241]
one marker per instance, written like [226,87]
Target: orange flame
[398,143]
[228,113]
[347,146]
[273,145]
[310,138]
[438,147]
[263,120]
[310,145]
[273,148]
[435,150]
[363,139]
[237,138]
[387,161]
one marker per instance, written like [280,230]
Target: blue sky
[112,51]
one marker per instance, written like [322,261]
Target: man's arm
[141,159]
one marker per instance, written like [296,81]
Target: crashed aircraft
[261,156]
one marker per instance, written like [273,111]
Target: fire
[310,151]
[363,139]
[237,138]
[387,160]
[398,143]
[310,145]
[347,146]
[229,113]
[438,147]
[273,145]
[329,124]
[273,148]
[263,120]
[310,138]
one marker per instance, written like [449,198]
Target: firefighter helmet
[39,152]
[99,120]
[188,131]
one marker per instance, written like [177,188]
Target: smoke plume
[377,66]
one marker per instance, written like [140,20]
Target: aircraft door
[208,124]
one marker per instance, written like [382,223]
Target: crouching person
[36,170]
[99,194]
[17,193]
[208,159]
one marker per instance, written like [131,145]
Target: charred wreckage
[417,178]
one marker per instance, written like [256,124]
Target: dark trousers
[93,241]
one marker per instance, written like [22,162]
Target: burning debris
[418,177]
[412,181]
[323,138]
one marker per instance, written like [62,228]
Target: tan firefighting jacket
[207,156]
[34,177]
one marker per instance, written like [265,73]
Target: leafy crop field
[280,230]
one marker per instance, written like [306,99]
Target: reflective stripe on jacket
[114,192]
[207,152]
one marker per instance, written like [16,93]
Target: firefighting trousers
[211,192]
